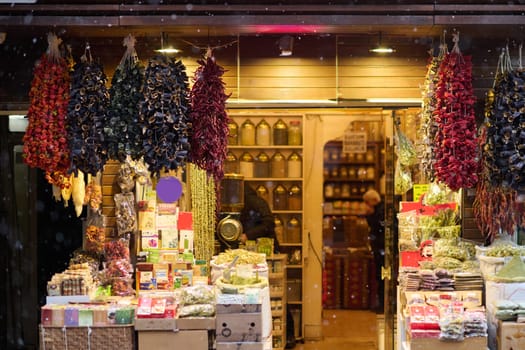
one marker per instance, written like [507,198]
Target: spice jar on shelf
[233,133]
[262,192]
[343,172]
[278,165]
[247,133]
[329,190]
[279,228]
[280,133]
[295,198]
[246,165]
[295,165]
[334,172]
[293,230]
[352,173]
[370,157]
[261,165]
[231,164]
[263,133]
[295,133]
[280,198]
[370,173]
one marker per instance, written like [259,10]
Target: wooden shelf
[345,179]
[294,266]
[287,211]
[295,302]
[275,275]
[348,162]
[293,147]
[291,244]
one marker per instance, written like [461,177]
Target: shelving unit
[277,277]
[290,232]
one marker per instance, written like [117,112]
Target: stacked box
[355,287]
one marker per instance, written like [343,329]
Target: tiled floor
[347,329]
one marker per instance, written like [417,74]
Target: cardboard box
[242,327]
[475,343]
[196,323]
[511,335]
[155,324]
[161,340]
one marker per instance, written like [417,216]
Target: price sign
[419,190]
[354,142]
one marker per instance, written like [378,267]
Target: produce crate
[86,338]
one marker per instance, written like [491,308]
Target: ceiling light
[380,48]
[286,46]
[164,47]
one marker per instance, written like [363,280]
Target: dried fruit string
[45,144]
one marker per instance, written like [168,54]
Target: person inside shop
[256,218]
[375,217]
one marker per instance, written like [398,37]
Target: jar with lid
[262,133]
[370,173]
[263,192]
[295,165]
[279,228]
[295,133]
[247,133]
[278,165]
[343,172]
[233,132]
[231,164]
[326,172]
[345,190]
[337,190]
[359,157]
[370,157]
[334,172]
[280,133]
[293,230]
[246,165]
[329,190]
[352,173]
[262,165]
[280,198]
[361,173]
[295,201]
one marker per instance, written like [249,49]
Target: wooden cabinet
[273,166]
[277,277]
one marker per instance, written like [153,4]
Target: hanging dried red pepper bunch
[209,118]
[45,142]
[164,115]
[455,145]
[123,133]
[87,115]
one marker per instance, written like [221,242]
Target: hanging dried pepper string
[45,143]
[209,118]
[123,132]
[204,210]
[455,145]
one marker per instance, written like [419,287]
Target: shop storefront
[315,119]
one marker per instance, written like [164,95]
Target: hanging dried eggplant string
[123,132]
[202,188]
[428,126]
[164,115]
[455,145]
[87,115]
[209,118]
[45,144]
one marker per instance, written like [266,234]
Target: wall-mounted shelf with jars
[267,149]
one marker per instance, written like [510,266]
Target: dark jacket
[376,222]
[256,217]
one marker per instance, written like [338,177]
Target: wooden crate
[85,338]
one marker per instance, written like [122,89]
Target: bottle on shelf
[295,133]
[231,164]
[263,134]
[279,229]
[263,192]
[295,165]
[293,230]
[280,198]
[295,198]
[280,133]
[278,165]
[247,133]
[246,165]
[261,165]
[233,133]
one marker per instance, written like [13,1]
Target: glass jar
[279,228]
[370,173]
[233,132]
[295,165]
[262,192]
[262,133]
[329,190]
[295,133]
[370,156]
[246,165]
[231,164]
[280,198]
[280,133]
[262,165]
[232,192]
[359,157]
[352,173]
[326,172]
[293,230]
[334,172]
[361,173]
[295,201]
[345,190]
[337,190]
[278,165]
[247,133]
[343,172]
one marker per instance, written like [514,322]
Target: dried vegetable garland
[204,210]
[164,115]
[209,118]
[505,120]
[87,115]
[455,145]
[45,143]
[123,133]
[428,128]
